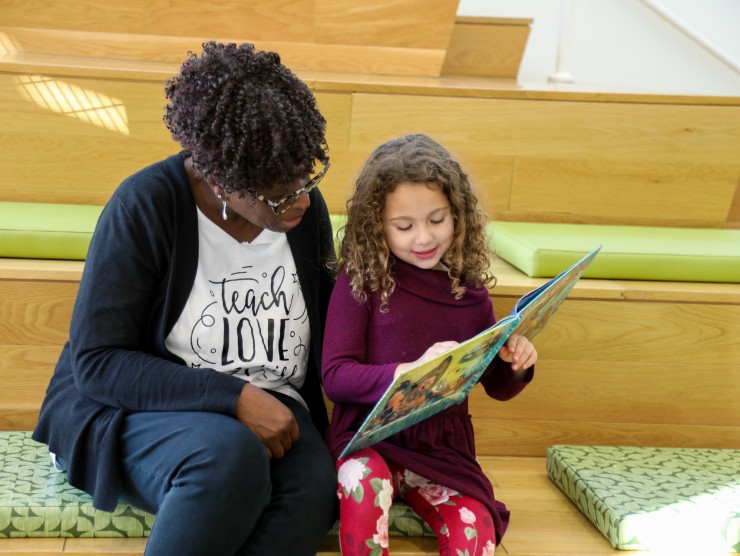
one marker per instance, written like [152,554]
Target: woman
[190,385]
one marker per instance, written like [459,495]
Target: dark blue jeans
[207,478]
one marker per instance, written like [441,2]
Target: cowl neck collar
[433,285]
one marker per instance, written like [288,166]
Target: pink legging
[368,485]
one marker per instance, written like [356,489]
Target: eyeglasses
[279,207]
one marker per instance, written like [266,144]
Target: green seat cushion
[55,230]
[337,224]
[337,221]
[662,499]
[37,501]
[46,230]
[543,250]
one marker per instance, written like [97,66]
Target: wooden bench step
[501,130]
[151,50]
[612,345]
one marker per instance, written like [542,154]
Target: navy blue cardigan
[138,275]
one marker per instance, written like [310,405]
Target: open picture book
[447,379]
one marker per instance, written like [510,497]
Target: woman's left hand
[518,351]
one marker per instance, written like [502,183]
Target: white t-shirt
[246,314]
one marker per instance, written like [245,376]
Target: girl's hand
[518,351]
[431,353]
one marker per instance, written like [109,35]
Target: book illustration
[447,379]
[430,387]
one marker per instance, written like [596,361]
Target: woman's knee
[227,457]
[312,476]
[204,456]
[310,463]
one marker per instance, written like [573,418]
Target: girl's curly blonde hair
[364,252]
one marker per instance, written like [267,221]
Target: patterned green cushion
[670,499]
[629,252]
[37,501]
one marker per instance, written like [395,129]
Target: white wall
[625,45]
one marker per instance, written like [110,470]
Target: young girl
[414,269]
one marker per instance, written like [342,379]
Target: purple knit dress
[363,347]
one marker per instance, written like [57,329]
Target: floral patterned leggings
[367,487]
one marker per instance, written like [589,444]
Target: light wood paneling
[290,20]
[567,130]
[408,24]
[19,415]
[489,47]
[337,185]
[593,330]
[635,373]
[532,437]
[23,368]
[35,313]
[584,162]
[40,269]
[101,45]
[310,34]
[376,23]
[16,59]
[616,162]
[59,142]
[78,47]
[42,147]
[269,20]
[104,546]
[597,391]
[84,15]
[32,547]
[733,216]
[616,191]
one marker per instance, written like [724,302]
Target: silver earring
[223,209]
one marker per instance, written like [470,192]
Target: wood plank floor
[544,523]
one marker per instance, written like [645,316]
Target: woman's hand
[431,353]
[518,351]
[269,419]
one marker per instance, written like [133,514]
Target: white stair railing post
[562,75]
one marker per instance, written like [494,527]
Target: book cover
[447,379]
